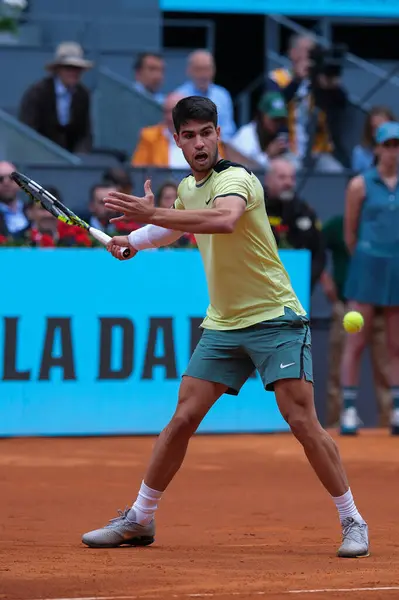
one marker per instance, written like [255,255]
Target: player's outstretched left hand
[133,208]
[116,243]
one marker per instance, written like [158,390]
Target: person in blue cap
[372,237]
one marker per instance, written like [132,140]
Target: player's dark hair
[194,108]
[140,58]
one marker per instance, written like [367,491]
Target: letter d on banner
[108,326]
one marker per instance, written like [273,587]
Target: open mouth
[201,157]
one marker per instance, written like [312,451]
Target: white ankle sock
[347,508]
[145,505]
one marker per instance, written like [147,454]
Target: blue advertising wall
[92,346]
[339,8]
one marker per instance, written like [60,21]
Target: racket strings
[48,201]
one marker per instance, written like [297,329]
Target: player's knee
[303,424]
[188,415]
[184,424]
[299,424]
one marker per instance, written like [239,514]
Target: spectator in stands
[58,107]
[164,198]
[48,232]
[363,156]
[149,70]
[120,179]
[372,238]
[156,146]
[166,195]
[308,122]
[14,221]
[294,223]
[43,226]
[266,137]
[201,73]
[99,214]
[333,286]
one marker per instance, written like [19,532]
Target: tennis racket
[59,210]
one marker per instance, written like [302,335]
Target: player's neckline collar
[202,182]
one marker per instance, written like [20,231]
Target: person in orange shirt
[156,146]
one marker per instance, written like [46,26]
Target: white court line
[104,598]
[337,590]
[247,593]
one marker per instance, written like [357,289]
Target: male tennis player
[254,320]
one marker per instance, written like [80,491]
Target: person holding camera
[266,137]
[315,98]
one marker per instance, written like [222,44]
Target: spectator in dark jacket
[58,107]
[294,223]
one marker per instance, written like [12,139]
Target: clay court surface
[244,519]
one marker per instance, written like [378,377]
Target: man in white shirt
[201,71]
[149,75]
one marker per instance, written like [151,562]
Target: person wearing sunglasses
[371,229]
[13,219]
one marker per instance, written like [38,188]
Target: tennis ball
[353,321]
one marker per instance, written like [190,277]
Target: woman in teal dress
[372,237]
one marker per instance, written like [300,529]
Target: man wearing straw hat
[58,106]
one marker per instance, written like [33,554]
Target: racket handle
[103,238]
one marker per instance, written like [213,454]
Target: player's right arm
[149,236]
[355,195]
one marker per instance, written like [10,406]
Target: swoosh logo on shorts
[285,366]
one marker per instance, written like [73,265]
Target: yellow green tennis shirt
[247,283]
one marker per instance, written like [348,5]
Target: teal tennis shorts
[277,349]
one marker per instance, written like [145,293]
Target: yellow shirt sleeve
[234,182]
[178,204]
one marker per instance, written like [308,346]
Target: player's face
[199,144]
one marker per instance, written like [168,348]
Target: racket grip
[103,238]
